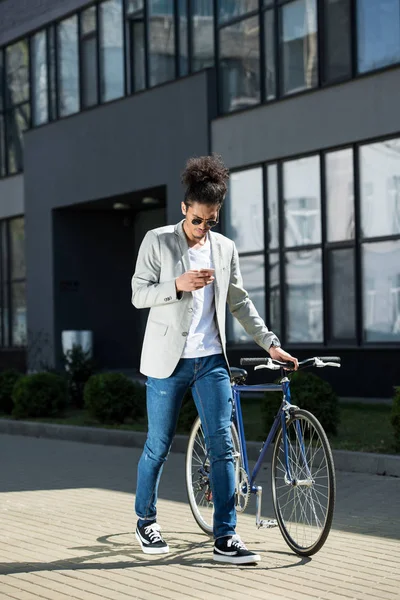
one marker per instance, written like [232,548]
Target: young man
[186,274]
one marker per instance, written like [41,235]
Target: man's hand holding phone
[194,280]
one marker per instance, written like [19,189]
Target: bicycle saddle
[238,375]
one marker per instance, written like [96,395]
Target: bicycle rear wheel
[304,505]
[198,475]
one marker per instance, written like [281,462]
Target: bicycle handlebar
[270,363]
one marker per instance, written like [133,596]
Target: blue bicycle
[302,469]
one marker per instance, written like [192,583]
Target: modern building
[102,102]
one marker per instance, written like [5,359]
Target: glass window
[1,79]
[337,40]
[243,211]
[68,67]
[339,195]
[2,148]
[89,57]
[202,34]
[302,201]
[304,306]
[252,269]
[17,122]
[161,41]
[240,65]
[18,307]
[274,322]
[111,50]
[88,21]
[299,46]
[52,73]
[269,49]
[183,38]
[378,28]
[380,188]
[133,6]
[228,9]
[381,291]
[17,61]
[40,108]
[138,55]
[342,294]
[273,203]
[17,243]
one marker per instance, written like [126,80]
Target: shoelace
[153,531]
[237,543]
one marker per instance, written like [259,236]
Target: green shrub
[187,414]
[113,397]
[308,391]
[7,381]
[39,395]
[79,368]
[395,418]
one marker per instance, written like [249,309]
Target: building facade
[102,102]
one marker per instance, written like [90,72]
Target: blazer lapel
[216,252]
[183,245]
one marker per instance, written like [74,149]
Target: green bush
[39,395]
[79,367]
[187,414]
[113,397]
[395,418]
[7,381]
[308,391]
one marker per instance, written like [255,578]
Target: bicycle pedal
[268,523]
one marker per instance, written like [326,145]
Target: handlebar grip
[333,359]
[253,362]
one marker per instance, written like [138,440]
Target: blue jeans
[210,382]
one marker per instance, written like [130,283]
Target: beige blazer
[163,256]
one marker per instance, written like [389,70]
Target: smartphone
[208,271]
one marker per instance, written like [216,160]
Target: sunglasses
[209,222]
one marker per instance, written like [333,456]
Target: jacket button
[167,299]
[190,309]
[184,333]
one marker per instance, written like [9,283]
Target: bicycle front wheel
[198,475]
[304,495]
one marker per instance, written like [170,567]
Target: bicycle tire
[315,454]
[197,484]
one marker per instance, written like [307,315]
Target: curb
[356,462]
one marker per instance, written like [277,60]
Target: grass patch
[363,427]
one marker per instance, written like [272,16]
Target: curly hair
[205,178]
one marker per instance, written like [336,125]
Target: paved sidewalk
[67,523]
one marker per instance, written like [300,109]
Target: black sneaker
[150,538]
[232,550]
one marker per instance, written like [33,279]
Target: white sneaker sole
[237,560]
[149,549]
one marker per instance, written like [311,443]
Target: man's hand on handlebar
[281,354]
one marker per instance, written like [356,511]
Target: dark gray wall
[342,114]
[18,17]
[133,144]
[11,196]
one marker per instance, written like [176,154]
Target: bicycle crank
[242,490]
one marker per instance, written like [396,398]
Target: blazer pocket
[158,328]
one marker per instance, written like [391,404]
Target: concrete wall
[11,196]
[342,114]
[18,17]
[133,144]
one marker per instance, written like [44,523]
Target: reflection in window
[274,322]
[183,38]
[302,201]
[68,67]
[40,108]
[273,203]
[244,210]
[17,75]
[252,269]
[380,188]
[2,148]
[111,50]
[18,311]
[337,40]
[202,34]
[89,56]
[269,49]
[342,294]
[228,9]
[161,41]
[299,45]
[240,65]
[381,291]
[340,195]
[304,306]
[17,245]
[17,123]
[378,28]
